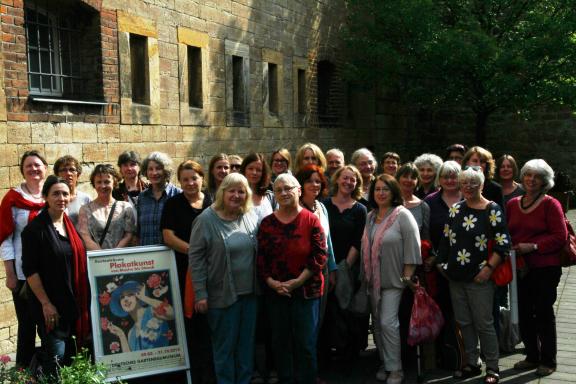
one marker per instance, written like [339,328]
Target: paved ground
[365,369]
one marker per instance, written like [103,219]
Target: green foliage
[485,55]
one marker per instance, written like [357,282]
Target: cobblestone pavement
[364,370]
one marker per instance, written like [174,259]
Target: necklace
[36,196]
[314,207]
[380,219]
[531,204]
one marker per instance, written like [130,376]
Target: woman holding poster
[222,256]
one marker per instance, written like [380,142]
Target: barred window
[53,53]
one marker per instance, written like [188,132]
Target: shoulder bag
[108,221]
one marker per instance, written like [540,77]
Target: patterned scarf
[371,252]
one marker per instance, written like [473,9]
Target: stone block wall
[292,34]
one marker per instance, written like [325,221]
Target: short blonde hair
[233,180]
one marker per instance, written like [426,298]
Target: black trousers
[536,298]
[26,343]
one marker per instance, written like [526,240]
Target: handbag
[426,321]
[108,221]
[568,252]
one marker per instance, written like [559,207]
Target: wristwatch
[534,247]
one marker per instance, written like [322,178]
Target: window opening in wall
[238,91]
[139,69]
[273,88]
[195,77]
[325,79]
[301,92]
[53,53]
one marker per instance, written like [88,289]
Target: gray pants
[472,303]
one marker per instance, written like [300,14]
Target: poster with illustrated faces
[137,315]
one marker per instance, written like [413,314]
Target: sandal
[492,376]
[467,372]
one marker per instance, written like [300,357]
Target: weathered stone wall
[292,33]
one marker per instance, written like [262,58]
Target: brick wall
[297,30]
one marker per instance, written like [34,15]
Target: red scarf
[80,273]
[15,199]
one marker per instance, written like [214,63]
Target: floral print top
[467,238]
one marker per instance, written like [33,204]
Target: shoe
[545,371]
[525,365]
[382,374]
[467,372]
[492,376]
[395,377]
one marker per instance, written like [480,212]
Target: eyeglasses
[456,158]
[468,184]
[280,161]
[68,170]
[279,191]
[235,166]
[476,168]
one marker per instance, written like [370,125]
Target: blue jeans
[233,329]
[294,324]
[53,349]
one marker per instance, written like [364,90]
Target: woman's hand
[11,282]
[332,280]
[524,248]
[291,285]
[141,293]
[51,316]
[115,330]
[278,287]
[483,276]
[429,263]
[201,306]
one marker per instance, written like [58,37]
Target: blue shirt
[150,213]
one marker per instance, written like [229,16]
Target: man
[335,160]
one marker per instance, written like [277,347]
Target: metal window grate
[53,53]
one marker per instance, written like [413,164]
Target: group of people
[264,245]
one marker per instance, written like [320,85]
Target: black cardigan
[43,254]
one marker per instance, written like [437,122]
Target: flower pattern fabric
[468,236]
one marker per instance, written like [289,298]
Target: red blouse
[285,250]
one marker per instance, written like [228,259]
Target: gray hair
[473,174]
[287,179]
[233,180]
[542,169]
[448,168]
[361,152]
[161,158]
[335,152]
[431,159]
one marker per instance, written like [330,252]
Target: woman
[456,152]
[507,172]
[280,162]
[536,223]
[218,168]
[222,257]
[390,163]
[480,157]
[408,179]
[309,154]
[158,170]
[54,262]
[235,163]
[390,254]
[256,171]
[365,162]
[131,185]
[475,241]
[149,316]
[291,272]
[178,216]
[106,223]
[343,331]
[440,203]
[428,165]
[68,168]
[19,207]
[314,185]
